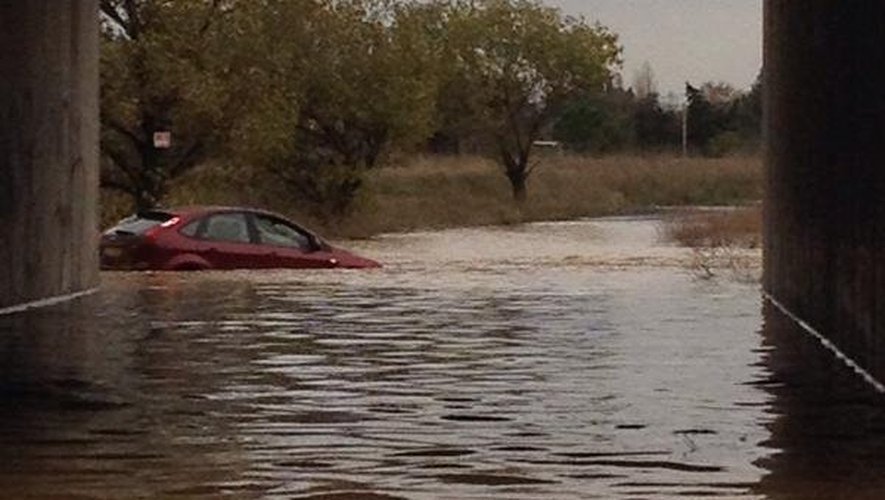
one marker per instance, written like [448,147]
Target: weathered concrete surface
[48,148]
[825,205]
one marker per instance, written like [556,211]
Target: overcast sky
[683,40]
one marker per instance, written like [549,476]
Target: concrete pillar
[48,148]
[825,204]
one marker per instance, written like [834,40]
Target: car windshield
[276,232]
[140,222]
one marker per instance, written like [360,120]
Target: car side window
[276,232]
[230,227]
[190,230]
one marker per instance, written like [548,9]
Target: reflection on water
[828,434]
[573,360]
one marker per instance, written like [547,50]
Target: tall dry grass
[739,227]
[721,240]
[460,191]
[437,192]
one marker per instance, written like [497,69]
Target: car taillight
[171,222]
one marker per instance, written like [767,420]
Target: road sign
[162,140]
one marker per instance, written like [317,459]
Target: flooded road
[558,360]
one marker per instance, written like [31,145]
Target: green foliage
[163,69]
[266,71]
[597,123]
[369,85]
[747,115]
[656,128]
[705,120]
[308,97]
[515,66]
[722,120]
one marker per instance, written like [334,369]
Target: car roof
[199,210]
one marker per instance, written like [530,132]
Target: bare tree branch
[117,186]
[122,130]
[110,9]
[124,15]
[188,160]
[133,15]
[122,165]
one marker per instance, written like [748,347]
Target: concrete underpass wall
[825,205]
[48,148]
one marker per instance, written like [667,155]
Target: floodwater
[557,361]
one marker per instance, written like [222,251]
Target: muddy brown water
[561,360]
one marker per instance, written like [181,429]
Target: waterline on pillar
[52,301]
[828,344]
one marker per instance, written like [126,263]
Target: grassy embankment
[439,192]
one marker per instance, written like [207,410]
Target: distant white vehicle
[548,146]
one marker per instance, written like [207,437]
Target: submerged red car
[198,238]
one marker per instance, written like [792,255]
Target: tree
[723,119]
[719,93]
[644,83]
[266,76]
[162,70]
[517,65]
[748,114]
[597,123]
[705,120]
[656,127]
[369,84]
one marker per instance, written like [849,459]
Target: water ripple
[566,361]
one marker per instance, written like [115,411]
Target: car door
[289,246]
[226,242]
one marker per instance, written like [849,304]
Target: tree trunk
[517,169]
[518,184]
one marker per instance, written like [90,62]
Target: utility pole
[685,123]
[685,130]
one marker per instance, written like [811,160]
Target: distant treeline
[317,93]
[714,120]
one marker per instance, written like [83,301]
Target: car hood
[348,259]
